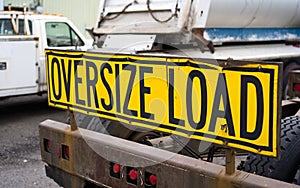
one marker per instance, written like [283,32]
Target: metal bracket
[129,42]
[202,42]
[73,123]
[230,161]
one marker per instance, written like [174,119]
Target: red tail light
[152,179]
[47,145]
[116,168]
[65,152]
[133,174]
[297,87]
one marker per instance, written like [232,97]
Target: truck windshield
[6,27]
[60,34]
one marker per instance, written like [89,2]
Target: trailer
[175,76]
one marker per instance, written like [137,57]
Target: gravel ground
[20,161]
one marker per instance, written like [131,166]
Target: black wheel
[91,123]
[286,168]
[144,137]
[101,125]
[114,128]
[294,65]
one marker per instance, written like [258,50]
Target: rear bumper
[91,155]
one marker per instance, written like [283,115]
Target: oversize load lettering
[236,106]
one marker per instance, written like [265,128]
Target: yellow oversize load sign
[235,105]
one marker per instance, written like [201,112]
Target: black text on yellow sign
[236,106]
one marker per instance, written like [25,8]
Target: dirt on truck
[168,87]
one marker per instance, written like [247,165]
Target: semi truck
[23,38]
[168,86]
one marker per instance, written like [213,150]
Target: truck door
[18,57]
[60,34]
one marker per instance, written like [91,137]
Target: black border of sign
[190,133]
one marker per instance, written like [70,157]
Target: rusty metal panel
[91,154]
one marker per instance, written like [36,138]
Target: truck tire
[287,167]
[91,123]
[144,137]
[114,128]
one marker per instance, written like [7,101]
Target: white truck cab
[23,38]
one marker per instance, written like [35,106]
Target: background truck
[146,44]
[23,38]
